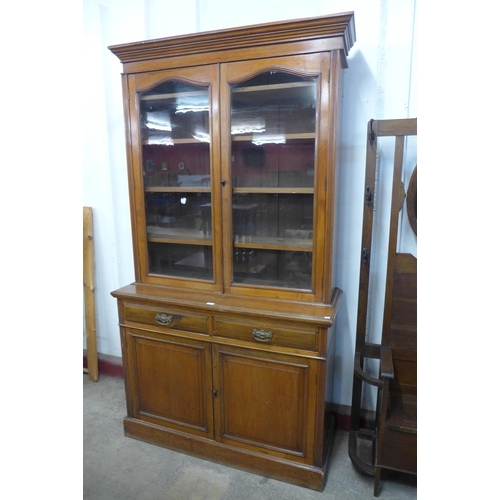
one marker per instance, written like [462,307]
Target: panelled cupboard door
[275,154]
[175,184]
[265,403]
[170,380]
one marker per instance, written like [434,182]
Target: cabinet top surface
[317,313]
[307,29]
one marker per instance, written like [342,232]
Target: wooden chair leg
[376,483]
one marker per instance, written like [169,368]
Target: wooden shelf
[178,236]
[174,95]
[273,243]
[290,137]
[235,138]
[185,140]
[240,190]
[180,241]
[176,189]
[259,88]
[277,86]
[274,190]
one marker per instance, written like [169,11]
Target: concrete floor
[117,467]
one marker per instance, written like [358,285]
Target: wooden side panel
[405,373]
[402,336]
[398,451]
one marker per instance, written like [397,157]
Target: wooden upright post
[88,290]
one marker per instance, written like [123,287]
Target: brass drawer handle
[163,319]
[262,335]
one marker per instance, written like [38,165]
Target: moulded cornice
[317,28]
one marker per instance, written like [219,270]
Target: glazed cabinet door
[275,134]
[175,176]
[170,381]
[265,402]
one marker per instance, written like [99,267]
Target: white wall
[380,84]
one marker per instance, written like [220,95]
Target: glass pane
[272,267]
[176,173]
[181,165]
[278,219]
[179,216]
[286,165]
[273,129]
[175,136]
[186,261]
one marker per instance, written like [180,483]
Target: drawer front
[265,333]
[168,318]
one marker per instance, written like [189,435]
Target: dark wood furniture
[392,444]
[228,331]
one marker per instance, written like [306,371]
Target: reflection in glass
[186,261]
[280,218]
[175,134]
[178,215]
[272,268]
[273,105]
[272,165]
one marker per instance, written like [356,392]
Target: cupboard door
[265,402]
[171,381]
[276,169]
[174,163]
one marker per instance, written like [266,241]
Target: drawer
[266,333]
[166,317]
